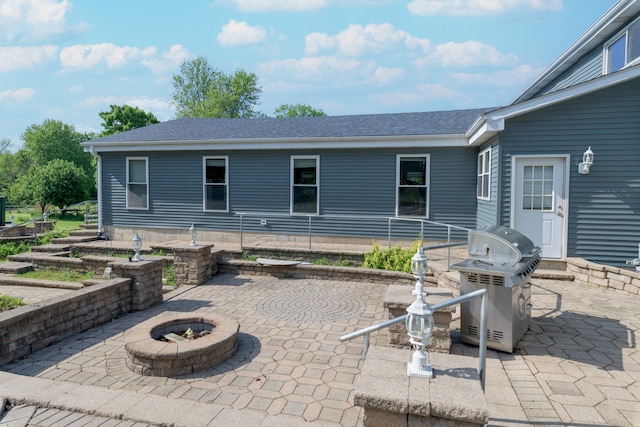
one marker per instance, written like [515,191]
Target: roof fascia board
[418,141]
[494,121]
[586,42]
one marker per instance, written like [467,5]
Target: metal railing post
[309,232]
[389,233]
[241,217]
[448,247]
[482,354]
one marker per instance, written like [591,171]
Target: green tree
[201,91]
[121,118]
[59,183]
[54,139]
[297,110]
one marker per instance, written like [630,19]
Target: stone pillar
[146,275]
[452,398]
[192,264]
[396,301]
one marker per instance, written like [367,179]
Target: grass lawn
[62,276]
[7,302]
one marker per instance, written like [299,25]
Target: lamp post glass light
[419,321]
[193,233]
[136,243]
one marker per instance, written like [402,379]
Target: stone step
[51,248]
[15,267]
[39,283]
[72,239]
[89,226]
[83,233]
[552,274]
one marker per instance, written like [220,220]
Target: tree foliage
[59,183]
[202,91]
[54,139]
[297,110]
[121,118]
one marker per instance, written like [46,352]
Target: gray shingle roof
[454,122]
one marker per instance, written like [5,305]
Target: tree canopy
[201,91]
[59,183]
[121,118]
[54,139]
[297,110]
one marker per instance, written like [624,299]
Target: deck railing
[389,220]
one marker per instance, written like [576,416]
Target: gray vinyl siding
[587,68]
[357,192]
[604,206]
[488,209]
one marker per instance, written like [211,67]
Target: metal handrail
[449,227]
[482,355]
[41,217]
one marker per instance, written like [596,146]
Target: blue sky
[69,60]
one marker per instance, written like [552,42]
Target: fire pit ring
[147,354]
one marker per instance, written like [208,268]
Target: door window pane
[537,188]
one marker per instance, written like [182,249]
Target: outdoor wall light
[193,233]
[587,161]
[136,243]
[419,321]
[44,216]
[11,219]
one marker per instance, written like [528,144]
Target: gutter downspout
[93,152]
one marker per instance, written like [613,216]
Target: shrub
[396,258]
[7,302]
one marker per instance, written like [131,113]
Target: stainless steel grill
[502,261]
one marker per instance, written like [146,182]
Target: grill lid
[499,243]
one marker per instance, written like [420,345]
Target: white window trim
[204,182]
[612,40]
[427,182]
[291,186]
[480,155]
[146,166]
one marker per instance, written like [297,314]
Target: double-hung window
[624,49]
[412,198]
[137,183]
[484,175]
[216,184]
[304,184]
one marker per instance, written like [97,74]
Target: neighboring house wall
[604,206]
[352,182]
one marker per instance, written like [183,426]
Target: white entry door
[539,203]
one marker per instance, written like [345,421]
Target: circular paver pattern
[310,306]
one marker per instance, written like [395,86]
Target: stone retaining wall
[604,276]
[321,272]
[24,330]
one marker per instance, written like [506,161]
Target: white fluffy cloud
[169,61]
[478,7]
[90,56]
[32,19]
[466,54]
[357,40]
[318,69]
[236,33]
[279,5]
[23,94]
[25,57]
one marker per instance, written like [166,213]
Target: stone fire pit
[148,353]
